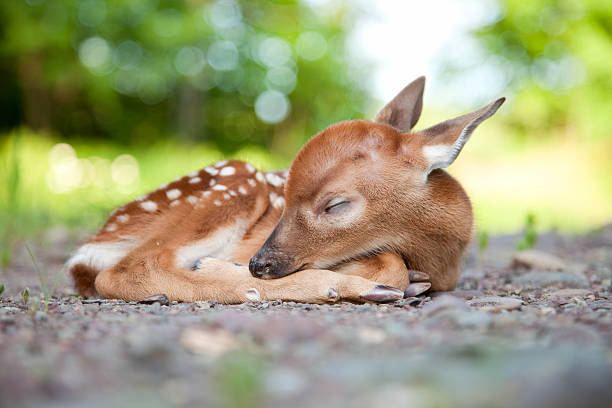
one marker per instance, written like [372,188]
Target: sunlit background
[103,100]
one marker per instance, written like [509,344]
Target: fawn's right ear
[404,110]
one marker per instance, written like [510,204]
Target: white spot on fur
[194,180]
[123,218]
[219,187]
[227,171]
[279,202]
[276,200]
[193,174]
[148,206]
[259,176]
[232,193]
[111,227]
[217,203]
[212,182]
[173,194]
[219,244]
[206,194]
[251,182]
[250,168]
[162,186]
[191,200]
[102,255]
[226,196]
[274,179]
[220,163]
[175,203]
[253,295]
[242,190]
[211,170]
[142,197]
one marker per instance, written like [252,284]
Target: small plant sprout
[2,288]
[42,279]
[530,236]
[483,244]
[25,295]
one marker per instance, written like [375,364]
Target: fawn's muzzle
[269,263]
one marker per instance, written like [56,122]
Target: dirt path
[537,334]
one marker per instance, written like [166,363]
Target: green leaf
[2,288]
[25,295]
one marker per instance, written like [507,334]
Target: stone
[570,293]
[212,343]
[160,298]
[546,279]
[537,260]
[495,303]
[443,303]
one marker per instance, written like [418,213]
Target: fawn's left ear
[404,110]
[442,143]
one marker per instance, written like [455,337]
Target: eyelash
[330,207]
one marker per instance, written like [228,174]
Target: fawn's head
[360,187]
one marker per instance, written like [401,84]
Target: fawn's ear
[442,143]
[404,110]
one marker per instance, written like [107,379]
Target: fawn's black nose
[259,267]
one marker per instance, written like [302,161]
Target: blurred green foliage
[229,72]
[555,54]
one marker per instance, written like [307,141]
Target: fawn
[364,212]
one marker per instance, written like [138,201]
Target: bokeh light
[223,55]
[272,106]
[95,54]
[311,45]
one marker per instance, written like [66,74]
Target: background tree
[136,71]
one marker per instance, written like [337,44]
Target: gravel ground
[528,329]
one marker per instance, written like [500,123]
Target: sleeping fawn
[364,212]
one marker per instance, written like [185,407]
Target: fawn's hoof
[382,294]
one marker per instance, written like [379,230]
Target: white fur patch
[211,170]
[192,200]
[111,227]
[242,190]
[219,245]
[274,179]
[175,203]
[212,182]
[194,180]
[220,163]
[259,176]
[226,196]
[219,187]
[149,206]
[250,168]
[173,194]
[437,154]
[206,194]
[123,218]
[101,255]
[252,182]
[232,193]
[193,174]
[227,171]
[217,203]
